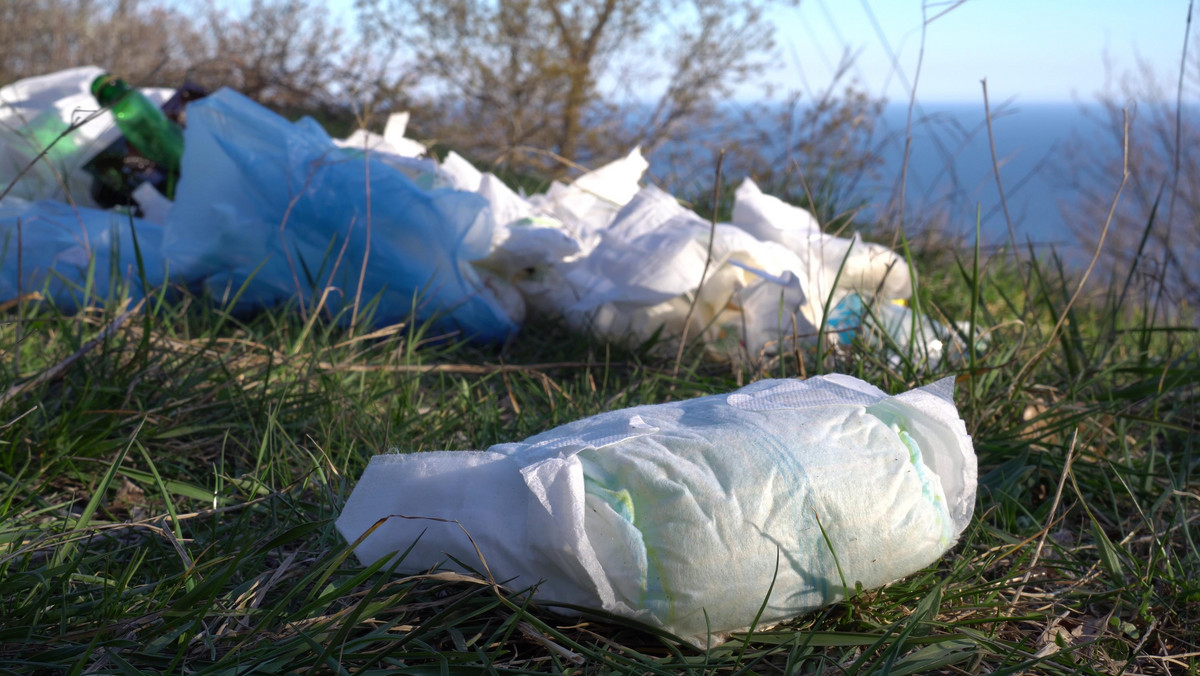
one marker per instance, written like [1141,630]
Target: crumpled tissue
[687,515]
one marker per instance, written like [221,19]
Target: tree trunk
[581,46]
[572,114]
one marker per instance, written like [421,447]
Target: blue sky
[1030,50]
[1034,50]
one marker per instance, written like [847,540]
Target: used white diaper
[687,515]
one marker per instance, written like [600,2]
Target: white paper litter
[643,275]
[405,154]
[589,204]
[687,515]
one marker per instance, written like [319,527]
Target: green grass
[167,498]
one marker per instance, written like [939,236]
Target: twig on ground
[463,369]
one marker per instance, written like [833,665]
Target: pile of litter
[269,211]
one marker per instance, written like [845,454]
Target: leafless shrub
[147,42]
[820,152]
[290,55]
[1154,237]
[515,74]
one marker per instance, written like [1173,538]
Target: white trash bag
[687,515]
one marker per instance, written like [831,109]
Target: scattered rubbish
[892,329]
[55,118]
[373,227]
[645,275]
[151,146]
[143,125]
[685,515]
[691,516]
[832,266]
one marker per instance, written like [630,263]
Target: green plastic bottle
[145,126]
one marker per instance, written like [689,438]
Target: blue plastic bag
[277,206]
[74,255]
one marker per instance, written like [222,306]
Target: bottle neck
[108,89]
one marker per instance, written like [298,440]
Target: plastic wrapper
[690,515]
[897,332]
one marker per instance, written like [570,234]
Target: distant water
[950,168]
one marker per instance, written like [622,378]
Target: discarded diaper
[688,515]
[645,272]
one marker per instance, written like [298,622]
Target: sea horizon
[951,170]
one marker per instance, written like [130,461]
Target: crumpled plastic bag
[75,255]
[278,206]
[897,332]
[260,190]
[687,515]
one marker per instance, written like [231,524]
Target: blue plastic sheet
[278,207]
[75,255]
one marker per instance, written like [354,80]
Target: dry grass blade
[464,369]
[712,236]
[1028,367]
[1050,520]
[1012,235]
